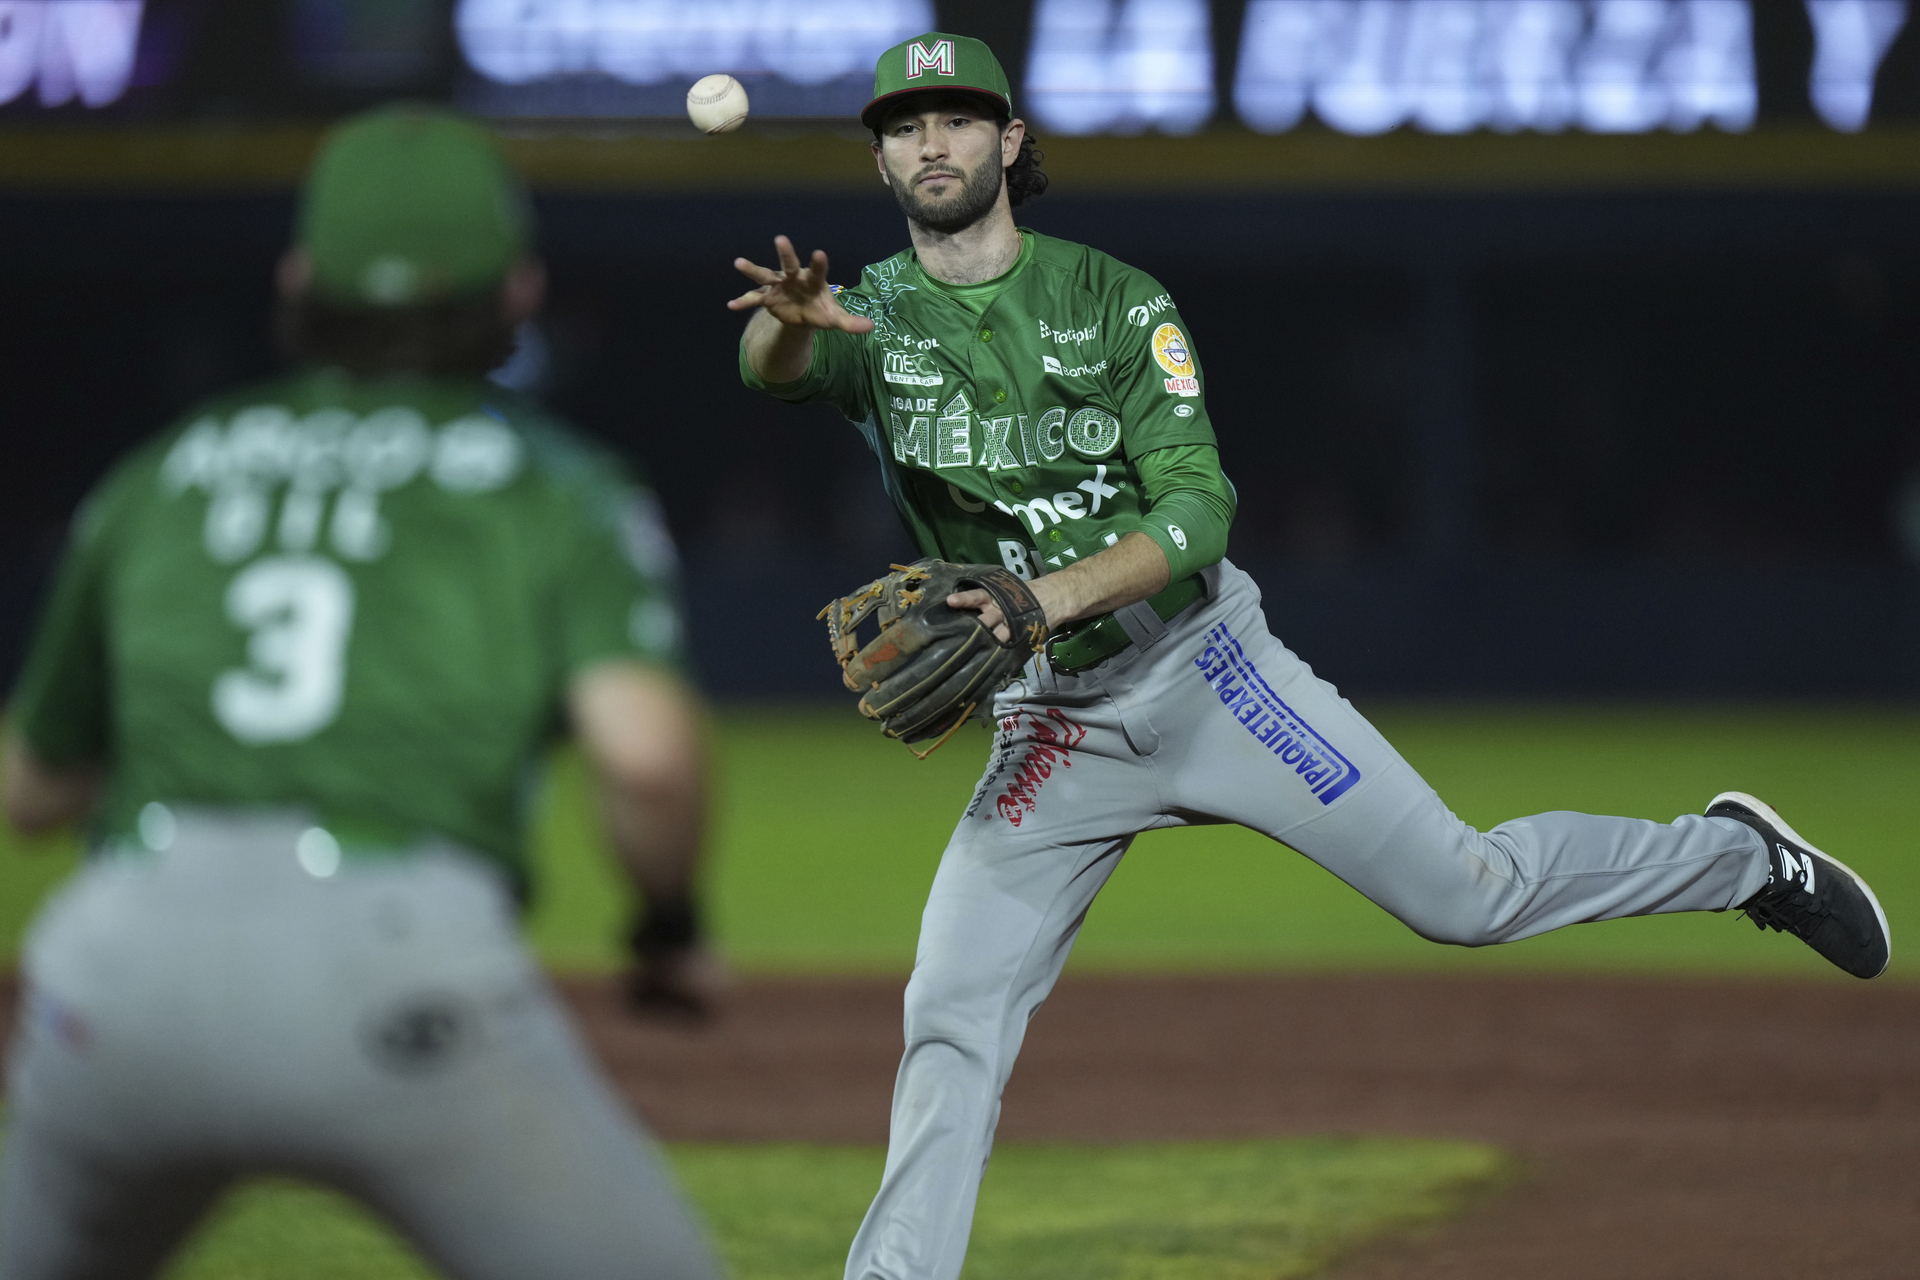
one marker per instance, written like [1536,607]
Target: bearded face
[965,197]
[943,164]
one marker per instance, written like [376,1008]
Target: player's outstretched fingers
[747,301]
[795,294]
[755,272]
[766,277]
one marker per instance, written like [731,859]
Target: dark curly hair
[463,335]
[1024,178]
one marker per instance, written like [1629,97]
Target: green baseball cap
[411,204]
[936,60]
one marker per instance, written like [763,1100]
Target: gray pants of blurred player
[1209,720]
[215,1011]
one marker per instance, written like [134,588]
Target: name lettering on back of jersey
[334,467]
[1171,352]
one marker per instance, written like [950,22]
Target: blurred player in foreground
[1037,408]
[300,662]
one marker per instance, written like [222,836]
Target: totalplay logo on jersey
[1171,351]
[911,368]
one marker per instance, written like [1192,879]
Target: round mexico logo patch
[1170,349]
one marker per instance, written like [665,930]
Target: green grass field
[826,837]
[1263,1210]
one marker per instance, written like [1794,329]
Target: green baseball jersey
[1010,417]
[361,598]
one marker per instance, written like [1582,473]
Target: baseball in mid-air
[716,104]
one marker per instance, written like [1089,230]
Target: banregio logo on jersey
[1053,366]
[1171,353]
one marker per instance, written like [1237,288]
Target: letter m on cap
[938,59]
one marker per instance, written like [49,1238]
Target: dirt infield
[1668,1129]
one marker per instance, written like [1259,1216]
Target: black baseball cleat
[1816,898]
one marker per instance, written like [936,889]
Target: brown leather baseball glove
[930,666]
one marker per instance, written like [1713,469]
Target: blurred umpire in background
[302,657]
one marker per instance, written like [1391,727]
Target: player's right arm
[642,729]
[791,305]
[639,722]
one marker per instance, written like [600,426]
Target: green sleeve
[1162,398]
[618,581]
[837,374]
[61,704]
[1189,505]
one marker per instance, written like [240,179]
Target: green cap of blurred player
[411,204]
[937,60]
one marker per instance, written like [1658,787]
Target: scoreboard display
[1078,66]
[55,54]
[639,57]
[1442,66]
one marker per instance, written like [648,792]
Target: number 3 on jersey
[299,609]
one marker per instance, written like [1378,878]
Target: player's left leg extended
[1250,735]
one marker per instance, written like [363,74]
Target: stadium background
[1585,457]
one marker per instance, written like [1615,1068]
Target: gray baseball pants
[1206,719]
[215,1011]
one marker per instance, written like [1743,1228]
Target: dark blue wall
[1513,445]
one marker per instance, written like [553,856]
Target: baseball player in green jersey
[1035,404]
[298,669]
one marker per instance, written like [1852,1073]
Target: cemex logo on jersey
[1273,724]
[938,59]
[1140,316]
[1171,351]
